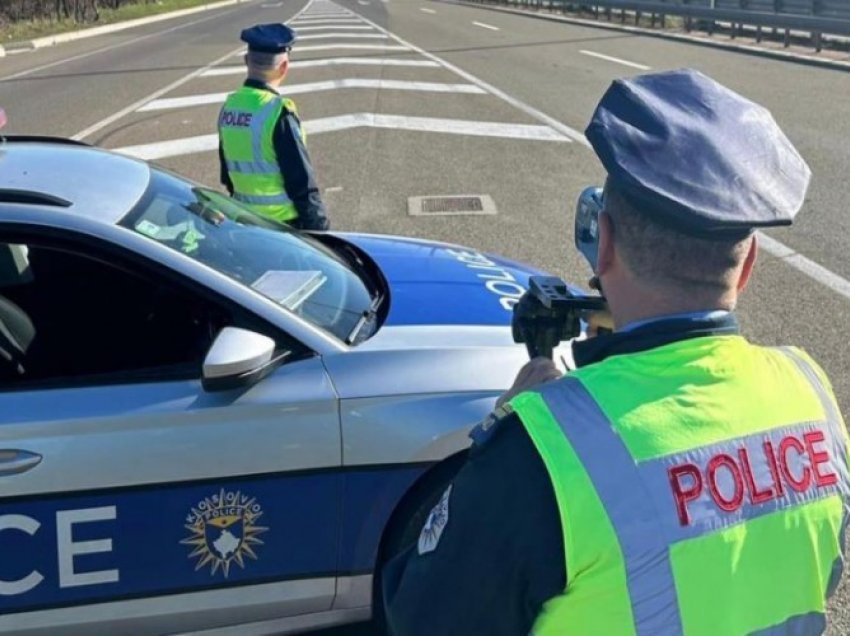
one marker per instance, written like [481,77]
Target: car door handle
[14,461]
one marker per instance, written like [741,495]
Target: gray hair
[264,63]
[666,257]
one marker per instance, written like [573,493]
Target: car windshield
[291,268]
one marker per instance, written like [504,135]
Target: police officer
[264,160]
[681,480]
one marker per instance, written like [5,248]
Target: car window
[295,271]
[70,318]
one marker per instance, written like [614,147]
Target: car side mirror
[239,358]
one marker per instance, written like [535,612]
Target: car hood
[435,283]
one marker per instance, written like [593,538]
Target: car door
[131,499]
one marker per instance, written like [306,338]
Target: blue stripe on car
[308,534]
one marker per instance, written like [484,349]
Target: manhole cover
[453,205]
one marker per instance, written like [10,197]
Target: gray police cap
[697,156]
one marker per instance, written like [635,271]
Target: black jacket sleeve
[224,175]
[299,178]
[500,555]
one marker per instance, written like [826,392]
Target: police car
[212,422]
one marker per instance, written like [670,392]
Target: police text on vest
[795,463]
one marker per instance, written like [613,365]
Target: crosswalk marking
[315,87]
[206,143]
[352,45]
[434,124]
[299,23]
[341,27]
[334,61]
[337,14]
[344,36]
[332,18]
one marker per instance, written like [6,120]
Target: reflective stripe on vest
[632,494]
[252,167]
[257,199]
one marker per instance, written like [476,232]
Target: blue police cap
[269,38]
[697,156]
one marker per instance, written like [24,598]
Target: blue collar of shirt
[692,316]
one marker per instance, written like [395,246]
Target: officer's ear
[283,67]
[605,254]
[749,264]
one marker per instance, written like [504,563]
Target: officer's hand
[536,371]
[599,322]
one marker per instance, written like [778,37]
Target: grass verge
[30,29]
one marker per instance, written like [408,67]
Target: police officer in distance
[264,159]
[681,480]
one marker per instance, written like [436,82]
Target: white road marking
[334,61]
[363,2]
[334,189]
[325,23]
[484,25]
[361,47]
[366,61]
[111,47]
[316,87]
[273,5]
[162,91]
[433,124]
[349,36]
[328,14]
[342,27]
[813,270]
[206,143]
[424,10]
[616,60]
[540,116]
[172,148]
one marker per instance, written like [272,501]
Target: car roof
[77,178]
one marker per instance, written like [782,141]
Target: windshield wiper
[368,317]
[355,261]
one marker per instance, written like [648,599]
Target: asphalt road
[465,101]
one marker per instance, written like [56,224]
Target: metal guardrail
[817,17]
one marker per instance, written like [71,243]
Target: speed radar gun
[549,312]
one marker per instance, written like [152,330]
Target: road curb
[690,39]
[59,38]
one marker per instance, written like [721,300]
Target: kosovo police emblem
[224,531]
[436,522]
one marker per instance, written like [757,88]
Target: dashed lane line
[616,60]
